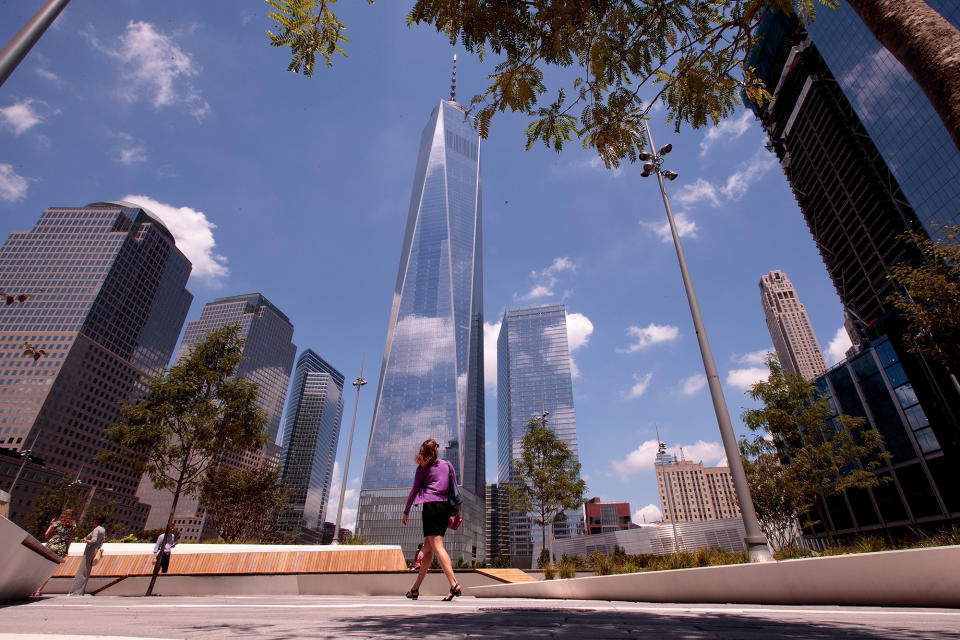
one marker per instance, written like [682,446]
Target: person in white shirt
[163,550]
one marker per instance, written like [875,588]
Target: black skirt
[435,518]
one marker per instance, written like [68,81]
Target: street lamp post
[755,541]
[359,382]
[25,454]
[20,45]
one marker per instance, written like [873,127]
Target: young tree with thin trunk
[928,297]
[817,454]
[690,54]
[548,477]
[189,417]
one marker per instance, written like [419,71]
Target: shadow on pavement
[584,625]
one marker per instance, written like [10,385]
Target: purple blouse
[431,484]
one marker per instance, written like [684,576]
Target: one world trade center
[431,379]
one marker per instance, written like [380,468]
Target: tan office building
[790,328]
[690,492]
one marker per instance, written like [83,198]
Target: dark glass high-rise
[310,435]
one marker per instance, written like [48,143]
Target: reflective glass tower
[268,354]
[111,297]
[533,376]
[431,378]
[310,436]
[895,112]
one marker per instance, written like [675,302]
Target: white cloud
[735,186]
[876,75]
[350,499]
[689,386]
[837,349]
[579,329]
[643,457]
[640,384]
[648,514]
[491,331]
[156,68]
[538,291]
[596,163]
[546,279]
[13,186]
[729,129]
[131,150]
[194,236]
[754,358]
[747,377]
[49,75]
[21,116]
[685,227]
[650,335]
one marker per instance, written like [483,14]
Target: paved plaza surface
[54,618]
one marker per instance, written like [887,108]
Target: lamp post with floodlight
[359,382]
[755,541]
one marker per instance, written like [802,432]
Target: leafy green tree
[548,477]
[691,54]
[818,455]
[52,501]
[245,504]
[189,417]
[929,296]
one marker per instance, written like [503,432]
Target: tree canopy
[799,452]
[691,55]
[548,477]
[929,296]
[245,504]
[189,418]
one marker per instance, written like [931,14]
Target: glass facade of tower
[894,110]
[310,436]
[110,299]
[431,378]
[268,354]
[919,489]
[533,376]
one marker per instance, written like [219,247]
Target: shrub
[791,553]
[549,571]
[567,568]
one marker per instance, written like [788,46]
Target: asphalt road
[53,618]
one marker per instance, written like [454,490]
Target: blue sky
[298,188]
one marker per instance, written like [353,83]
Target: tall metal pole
[359,382]
[25,454]
[20,45]
[755,541]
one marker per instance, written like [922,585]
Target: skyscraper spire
[453,80]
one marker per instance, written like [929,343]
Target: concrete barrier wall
[909,578]
[360,584]
[24,564]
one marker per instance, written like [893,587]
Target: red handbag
[454,522]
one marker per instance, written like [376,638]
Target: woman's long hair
[66,518]
[427,456]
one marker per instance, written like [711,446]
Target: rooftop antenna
[682,459]
[453,80]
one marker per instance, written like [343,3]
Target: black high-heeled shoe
[454,592]
[413,594]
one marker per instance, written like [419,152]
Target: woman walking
[94,541]
[430,488]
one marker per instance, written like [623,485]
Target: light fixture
[649,167]
[645,174]
[645,156]
[670,175]
[665,149]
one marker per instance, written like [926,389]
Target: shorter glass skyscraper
[533,376]
[268,355]
[310,436]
